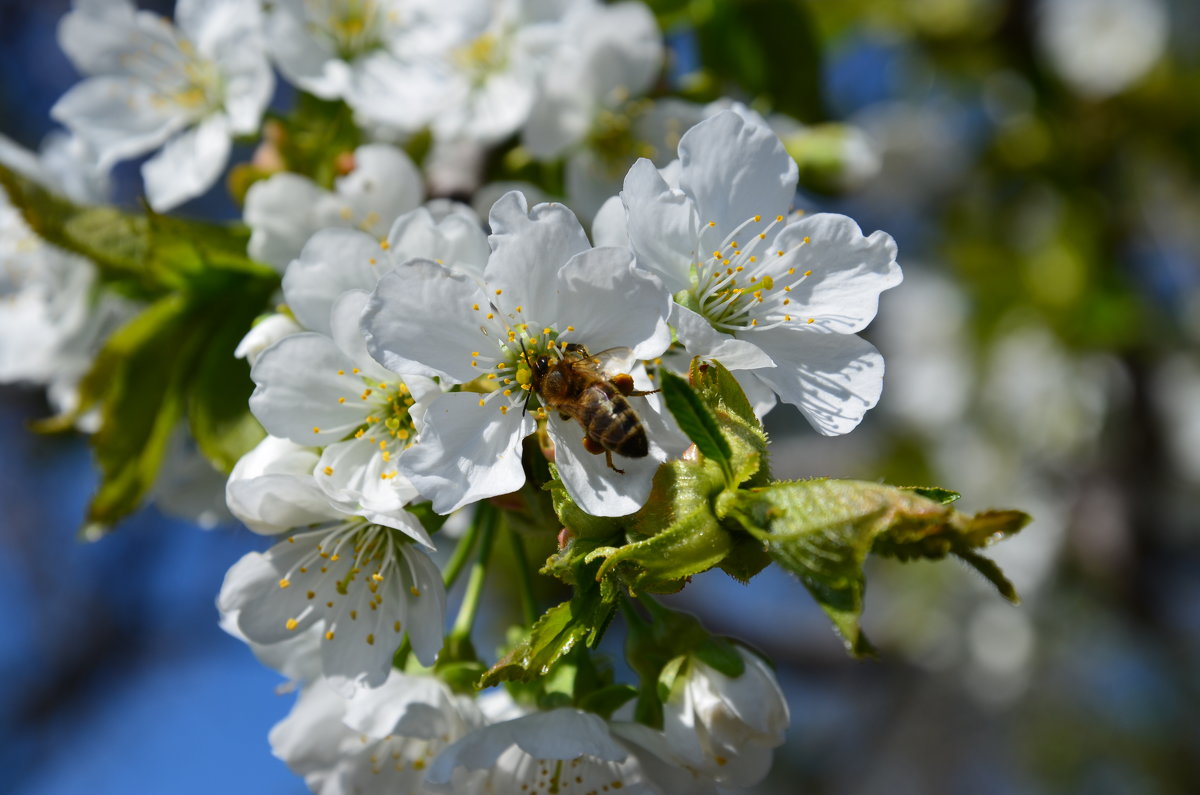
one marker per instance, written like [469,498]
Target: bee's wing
[610,362]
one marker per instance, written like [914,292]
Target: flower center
[343,569]
[614,139]
[513,354]
[742,286]
[353,27]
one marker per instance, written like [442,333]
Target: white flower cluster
[415,352]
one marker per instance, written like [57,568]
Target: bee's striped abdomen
[608,418]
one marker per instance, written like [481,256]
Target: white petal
[662,225]
[849,271]
[466,452]
[251,588]
[347,335]
[426,605]
[279,212]
[832,378]
[701,339]
[609,227]
[455,239]
[272,490]
[117,116]
[428,320]
[306,60]
[351,473]
[188,165]
[735,169]
[332,262]
[264,334]
[529,246]
[611,304]
[299,380]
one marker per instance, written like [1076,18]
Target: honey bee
[576,386]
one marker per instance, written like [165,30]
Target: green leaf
[144,254]
[219,392]
[663,563]
[935,493]
[725,397]
[607,700]
[697,422]
[583,619]
[822,531]
[147,361]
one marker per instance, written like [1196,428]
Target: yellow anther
[519,307]
[474,353]
[329,635]
[341,400]
[754,322]
[570,328]
[328,470]
[370,640]
[316,429]
[807,239]
[504,409]
[498,292]
[717,254]
[490,316]
[341,372]
[778,218]
[386,456]
[791,271]
[808,273]
[757,218]
[311,594]
[285,582]
[812,320]
[396,626]
[377,577]
[712,223]
[787,317]
[354,615]
[371,260]
[787,301]
[384,244]
[475,307]
[481,401]
[359,433]
[546,330]
[356,371]
[291,623]
[414,590]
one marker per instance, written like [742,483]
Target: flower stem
[488,519]
[465,544]
[524,577]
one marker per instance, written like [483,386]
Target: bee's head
[540,366]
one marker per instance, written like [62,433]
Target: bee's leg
[624,384]
[595,448]
[608,460]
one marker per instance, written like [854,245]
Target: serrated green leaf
[741,428]
[822,531]
[697,422]
[582,620]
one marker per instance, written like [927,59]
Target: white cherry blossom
[762,291]
[365,581]
[286,209]
[543,288]
[188,89]
[726,727]
[379,740]
[480,81]
[563,750]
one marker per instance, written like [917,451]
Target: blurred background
[1038,162]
